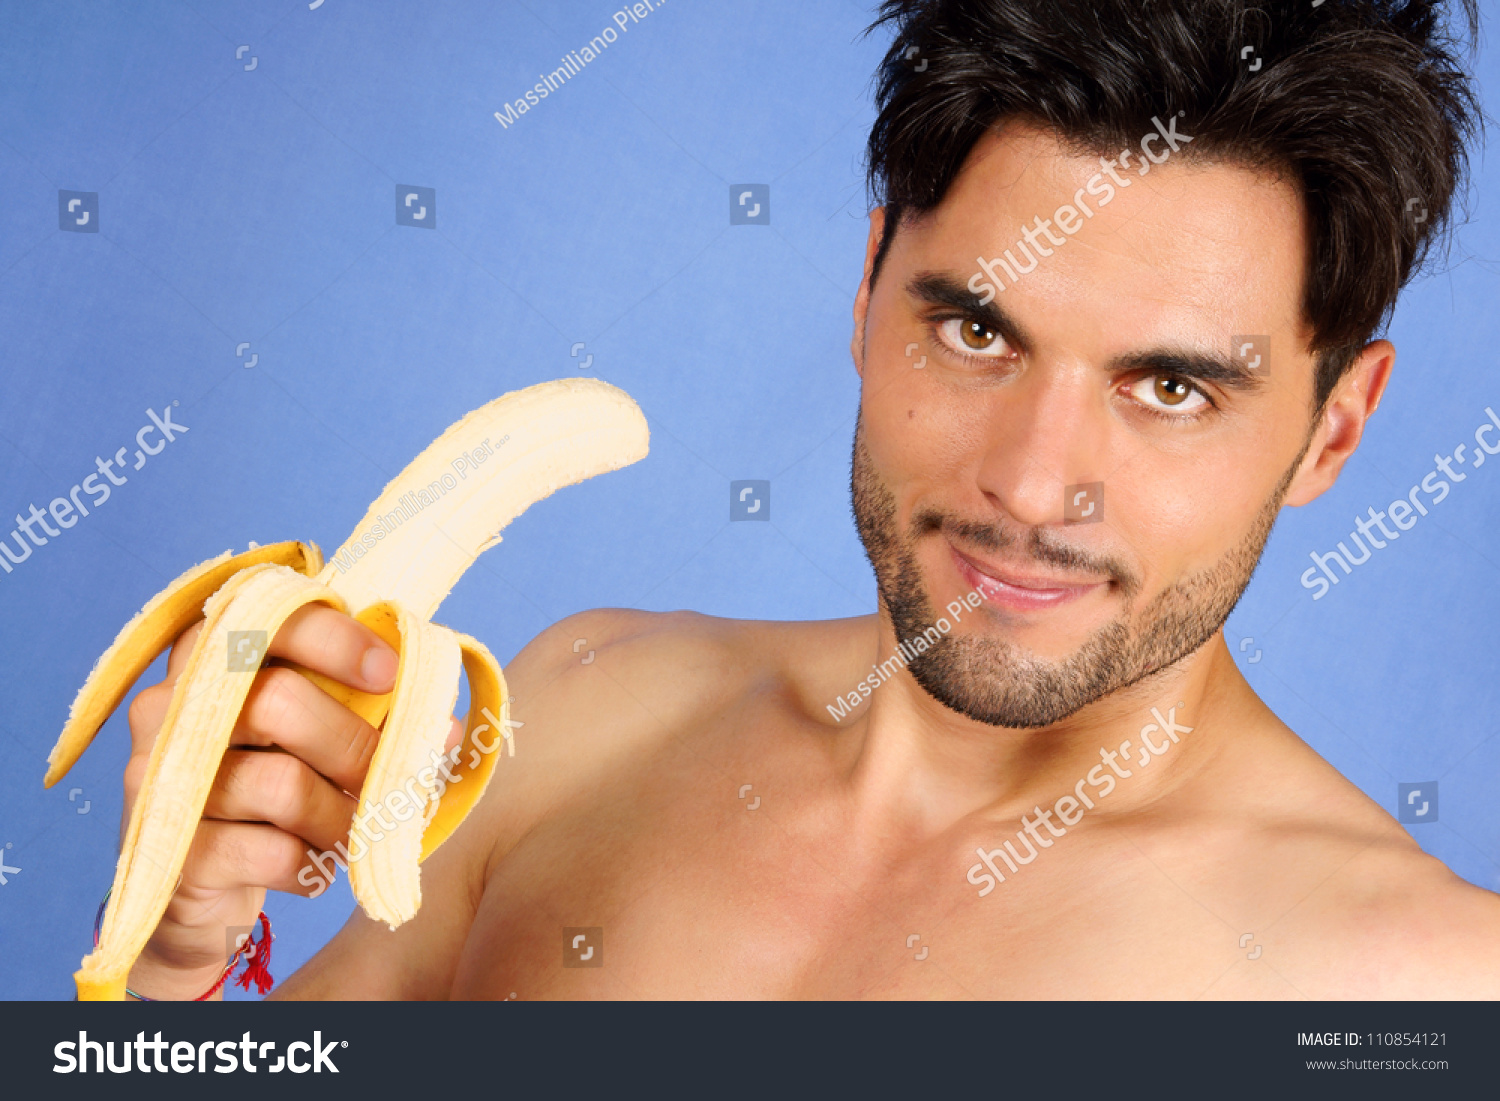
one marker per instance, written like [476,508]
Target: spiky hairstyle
[1364,105]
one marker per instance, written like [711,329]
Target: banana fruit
[415,542]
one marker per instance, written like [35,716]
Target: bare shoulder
[1361,911]
[674,666]
[1396,923]
[1443,932]
[600,696]
[675,662]
[610,681]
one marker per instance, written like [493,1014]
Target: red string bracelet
[258,952]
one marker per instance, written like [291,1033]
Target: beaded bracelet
[258,952]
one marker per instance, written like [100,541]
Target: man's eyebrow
[940,289]
[1215,368]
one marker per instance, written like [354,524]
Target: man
[1036,771]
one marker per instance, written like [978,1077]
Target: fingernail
[379,667]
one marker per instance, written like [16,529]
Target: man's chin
[1034,639]
[993,680]
[999,683]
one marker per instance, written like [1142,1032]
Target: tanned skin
[622,806]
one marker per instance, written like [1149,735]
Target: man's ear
[1353,401]
[862,299]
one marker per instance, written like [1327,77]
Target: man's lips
[1017,591]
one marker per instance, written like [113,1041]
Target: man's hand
[284,788]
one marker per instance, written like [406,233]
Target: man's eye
[1167,393]
[972,337]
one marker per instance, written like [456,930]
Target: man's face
[1110,365]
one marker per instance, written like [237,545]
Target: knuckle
[320,635]
[286,786]
[259,855]
[281,859]
[147,711]
[277,703]
[181,648]
[135,775]
[360,743]
[218,844]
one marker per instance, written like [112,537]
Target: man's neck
[921,767]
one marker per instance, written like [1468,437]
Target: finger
[282,791]
[135,776]
[196,908]
[147,712]
[226,855]
[338,646]
[180,651]
[287,710]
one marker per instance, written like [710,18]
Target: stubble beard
[999,683]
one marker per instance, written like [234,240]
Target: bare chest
[727,901]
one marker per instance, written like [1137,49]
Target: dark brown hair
[1363,104]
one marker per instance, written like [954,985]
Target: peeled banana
[415,542]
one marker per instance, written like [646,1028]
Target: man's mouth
[1018,590]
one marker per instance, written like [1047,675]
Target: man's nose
[1045,433]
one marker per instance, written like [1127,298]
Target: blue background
[258,206]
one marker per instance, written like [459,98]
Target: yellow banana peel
[415,542]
